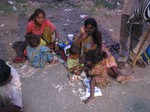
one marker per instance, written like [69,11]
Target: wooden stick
[141,46]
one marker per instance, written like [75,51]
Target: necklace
[37,27]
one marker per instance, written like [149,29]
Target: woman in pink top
[38,24]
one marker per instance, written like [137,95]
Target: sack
[146,55]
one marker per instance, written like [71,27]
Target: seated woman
[38,55]
[38,24]
[89,38]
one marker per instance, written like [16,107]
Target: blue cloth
[39,56]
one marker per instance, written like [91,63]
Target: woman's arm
[56,35]
[53,28]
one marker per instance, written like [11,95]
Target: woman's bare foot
[89,100]
[123,78]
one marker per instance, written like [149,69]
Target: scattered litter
[87,82]
[75,92]
[60,89]
[118,3]
[67,10]
[60,5]
[53,84]
[70,37]
[119,11]
[97,91]
[57,86]
[50,16]
[72,84]
[111,30]
[68,20]
[10,44]
[14,8]
[81,91]
[2,25]
[7,32]
[83,16]
[65,24]
[11,2]
[82,98]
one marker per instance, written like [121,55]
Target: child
[38,55]
[10,89]
[98,70]
[73,61]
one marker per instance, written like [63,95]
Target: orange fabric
[101,74]
[31,27]
[110,60]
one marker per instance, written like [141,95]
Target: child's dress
[71,63]
[39,56]
[101,73]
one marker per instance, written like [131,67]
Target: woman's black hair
[97,35]
[75,50]
[5,71]
[95,55]
[33,39]
[36,13]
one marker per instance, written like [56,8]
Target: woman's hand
[84,35]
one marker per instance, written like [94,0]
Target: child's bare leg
[92,87]
[111,73]
[115,71]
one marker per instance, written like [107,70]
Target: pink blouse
[31,27]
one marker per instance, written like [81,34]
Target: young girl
[97,70]
[38,24]
[38,55]
[89,38]
[73,64]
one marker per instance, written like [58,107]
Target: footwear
[139,61]
[19,59]
[121,64]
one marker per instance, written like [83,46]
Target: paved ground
[50,91]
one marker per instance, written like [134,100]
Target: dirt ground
[65,16]
[37,89]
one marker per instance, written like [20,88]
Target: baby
[38,55]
